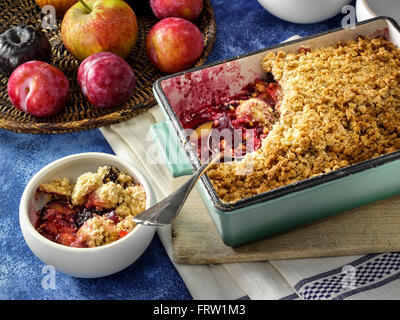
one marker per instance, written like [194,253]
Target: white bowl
[83,262]
[304,11]
[368,9]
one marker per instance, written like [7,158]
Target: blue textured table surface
[243,26]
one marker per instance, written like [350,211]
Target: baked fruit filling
[237,126]
[97,210]
[339,105]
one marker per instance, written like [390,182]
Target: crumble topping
[85,185]
[125,179]
[339,105]
[108,195]
[135,199]
[59,186]
[97,231]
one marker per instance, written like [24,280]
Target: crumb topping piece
[255,110]
[85,185]
[134,201]
[339,105]
[97,231]
[59,186]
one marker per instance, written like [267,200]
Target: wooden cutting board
[374,228]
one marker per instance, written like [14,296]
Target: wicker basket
[79,114]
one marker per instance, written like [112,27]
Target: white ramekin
[304,11]
[83,262]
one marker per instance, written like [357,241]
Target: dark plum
[106,79]
[22,44]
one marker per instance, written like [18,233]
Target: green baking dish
[283,208]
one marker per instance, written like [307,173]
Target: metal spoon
[167,210]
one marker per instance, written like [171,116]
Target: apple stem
[86,6]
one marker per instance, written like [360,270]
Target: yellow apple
[93,26]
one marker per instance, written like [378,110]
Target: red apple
[174,44]
[93,26]
[38,88]
[106,79]
[61,6]
[186,9]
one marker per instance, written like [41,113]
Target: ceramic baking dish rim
[284,190]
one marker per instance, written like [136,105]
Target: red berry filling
[59,220]
[56,219]
[241,134]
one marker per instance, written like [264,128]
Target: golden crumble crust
[59,187]
[340,105]
[110,195]
[134,201]
[97,231]
[86,184]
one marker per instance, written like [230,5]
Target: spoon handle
[165,211]
[199,172]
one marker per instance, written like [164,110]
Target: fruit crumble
[97,210]
[339,105]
